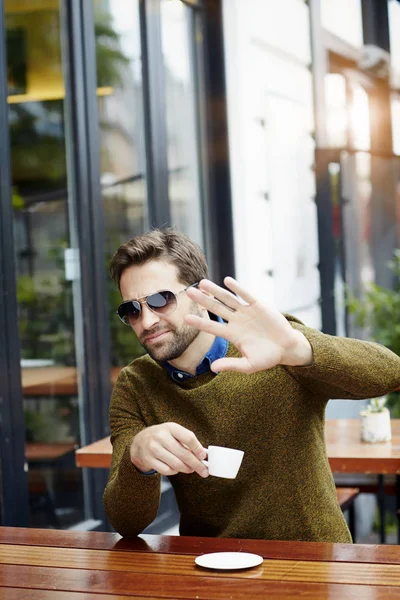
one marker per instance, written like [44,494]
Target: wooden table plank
[49,381]
[348,454]
[43,451]
[139,562]
[320,551]
[181,587]
[24,594]
[66,539]
[384,554]
[55,381]
[97,455]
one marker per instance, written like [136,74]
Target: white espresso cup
[223,462]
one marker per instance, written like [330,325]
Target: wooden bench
[345,497]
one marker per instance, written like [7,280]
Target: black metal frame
[375,19]
[326,241]
[219,219]
[154,113]
[13,480]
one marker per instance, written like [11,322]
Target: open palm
[262,335]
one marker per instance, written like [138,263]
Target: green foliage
[37,129]
[38,426]
[46,318]
[390,522]
[378,312]
[109,59]
[376,405]
[17,200]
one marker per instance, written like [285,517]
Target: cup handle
[205,462]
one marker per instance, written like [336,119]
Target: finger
[163,469]
[239,365]
[194,465]
[171,458]
[187,448]
[190,460]
[211,304]
[187,438]
[208,325]
[223,295]
[189,464]
[233,285]
[181,453]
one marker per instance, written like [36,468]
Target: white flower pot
[375,427]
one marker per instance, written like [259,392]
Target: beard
[180,339]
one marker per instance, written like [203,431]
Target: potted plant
[375,421]
[377,310]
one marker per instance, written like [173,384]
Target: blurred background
[268,131]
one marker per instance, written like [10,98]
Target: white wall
[394,27]
[270,114]
[344,19]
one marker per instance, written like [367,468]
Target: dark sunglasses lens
[162,302]
[129,311]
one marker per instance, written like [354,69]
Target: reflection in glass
[395,101]
[371,219]
[46,319]
[359,118]
[122,154]
[336,105]
[177,26]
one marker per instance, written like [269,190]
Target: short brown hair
[166,244]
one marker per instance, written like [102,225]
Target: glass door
[51,398]
[363,188]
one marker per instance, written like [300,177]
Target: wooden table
[96,455]
[69,565]
[54,381]
[346,452]
[37,452]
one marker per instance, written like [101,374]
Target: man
[224,369]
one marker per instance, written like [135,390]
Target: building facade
[263,129]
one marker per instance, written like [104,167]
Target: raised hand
[261,334]
[169,449]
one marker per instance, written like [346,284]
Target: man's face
[165,337]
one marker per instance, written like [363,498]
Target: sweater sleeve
[347,368]
[131,499]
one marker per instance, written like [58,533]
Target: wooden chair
[345,497]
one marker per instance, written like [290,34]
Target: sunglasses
[161,303]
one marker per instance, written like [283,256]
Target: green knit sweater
[284,489]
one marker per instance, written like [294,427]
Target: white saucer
[228,560]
